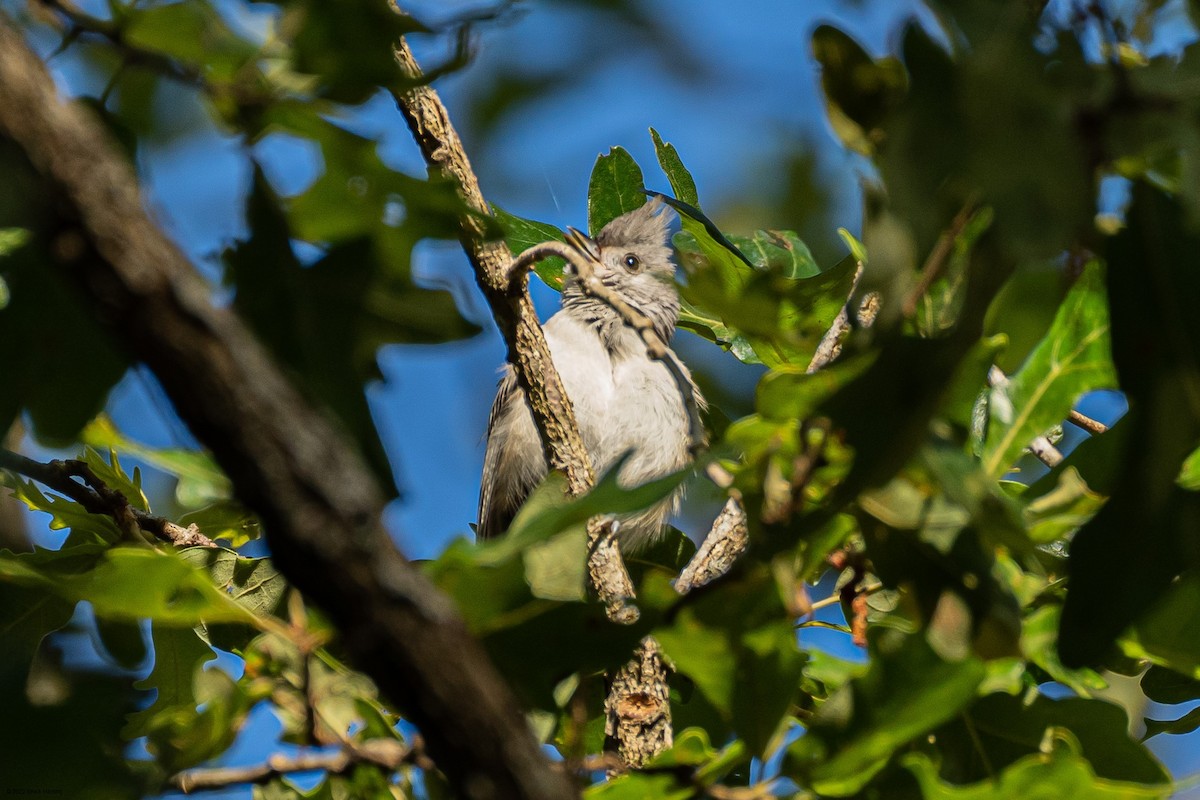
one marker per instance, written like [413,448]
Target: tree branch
[1090,425]
[729,537]
[386,753]
[319,504]
[638,707]
[506,290]
[99,498]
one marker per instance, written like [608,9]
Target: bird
[625,401]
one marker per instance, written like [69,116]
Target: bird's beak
[584,244]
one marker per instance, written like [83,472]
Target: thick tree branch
[320,507]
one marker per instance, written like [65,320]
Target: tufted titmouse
[624,400]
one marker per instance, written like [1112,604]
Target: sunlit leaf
[1072,359]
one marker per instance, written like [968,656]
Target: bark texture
[320,506]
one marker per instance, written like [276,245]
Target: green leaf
[122,641]
[60,373]
[1167,686]
[1039,639]
[682,183]
[116,478]
[1035,777]
[252,583]
[349,47]
[1062,510]
[192,33]
[1185,724]
[1150,276]
[326,322]
[1009,728]
[1073,359]
[639,786]
[778,251]
[1189,474]
[739,648]
[1163,633]
[783,317]
[520,234]
[200,479]
[226,520]
[12,239]
[548,511]
[178,654]
[131,583]
[907,691]
[615,188]
[81,713]
[64,513]
[557,568]
[186,736]
[859,92]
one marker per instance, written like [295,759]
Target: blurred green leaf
[191,32]
[1163,685]
[1035,777]
[859,92]
[1039,636]
[739,648]
[349,46]
[1007,729]
[199,476]
[1185,724]
[130,583]
[1063,509]
[326,322]
[178,654]
[1162,634]
[58,363]
[906,691]
[1150,277]
[639,786]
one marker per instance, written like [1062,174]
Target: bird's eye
[632,262]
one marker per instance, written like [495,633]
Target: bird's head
[632,256]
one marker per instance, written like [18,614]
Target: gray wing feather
[496,507]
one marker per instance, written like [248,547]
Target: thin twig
[386,753]
[836,597]
[939,256]
[1094,427]
[1046,452]
[98,498]
[831,343]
